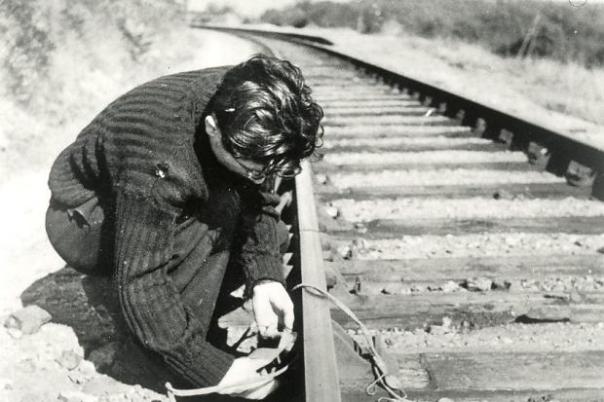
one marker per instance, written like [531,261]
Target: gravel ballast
[403,141]
[427,157]
[351,121]
[508,338]
[470,208]
[395,131]
[327,95]
[477,245]
[490,283]
[439,177]
[378,111]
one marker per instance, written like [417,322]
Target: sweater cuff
[201,366]
[266,267]
[262,267]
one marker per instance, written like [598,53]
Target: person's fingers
[269,331]
[288,315]
[260,392]
[272,331]
[263,312]
[266,318]
[263,331]
[273,309]
[246,370]
[287,341]
[262,356]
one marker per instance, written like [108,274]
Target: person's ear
[211,127]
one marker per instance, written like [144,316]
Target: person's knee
[75,234]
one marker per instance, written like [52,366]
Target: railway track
[479,275]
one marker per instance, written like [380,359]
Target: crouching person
[171,183]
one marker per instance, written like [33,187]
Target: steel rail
[321,372]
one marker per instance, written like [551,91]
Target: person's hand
[273,308]
[245,370]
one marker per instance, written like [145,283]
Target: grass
[569,88]
[565,96]
[63,60]
[472,48]
[561,32]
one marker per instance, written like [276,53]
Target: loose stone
[69,359]
[28,320]
[76,396]
[450,286]
[332,212]
[478,284]
[321,178]
[345,252]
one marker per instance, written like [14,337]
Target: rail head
[321,371]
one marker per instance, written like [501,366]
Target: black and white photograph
[302,200]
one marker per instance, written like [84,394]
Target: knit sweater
[147,156]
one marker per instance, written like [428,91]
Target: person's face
[254,171]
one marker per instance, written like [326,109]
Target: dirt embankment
[86,68]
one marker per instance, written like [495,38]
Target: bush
[322,13]
[25,56]
[562,32]
[37,32]
[62,60]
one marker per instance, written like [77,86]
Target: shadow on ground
[89,305]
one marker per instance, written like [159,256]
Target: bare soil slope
[48,365]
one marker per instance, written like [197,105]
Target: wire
[379,366]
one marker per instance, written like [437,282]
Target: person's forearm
[153,311]
[259,251]
[151,304]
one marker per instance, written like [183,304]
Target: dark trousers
[81,235]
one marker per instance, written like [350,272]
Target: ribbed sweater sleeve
[149,149]
[75,171]
[260,256]
[151,304]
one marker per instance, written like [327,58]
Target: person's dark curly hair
[265,112]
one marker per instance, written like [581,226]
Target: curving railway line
[451,231]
